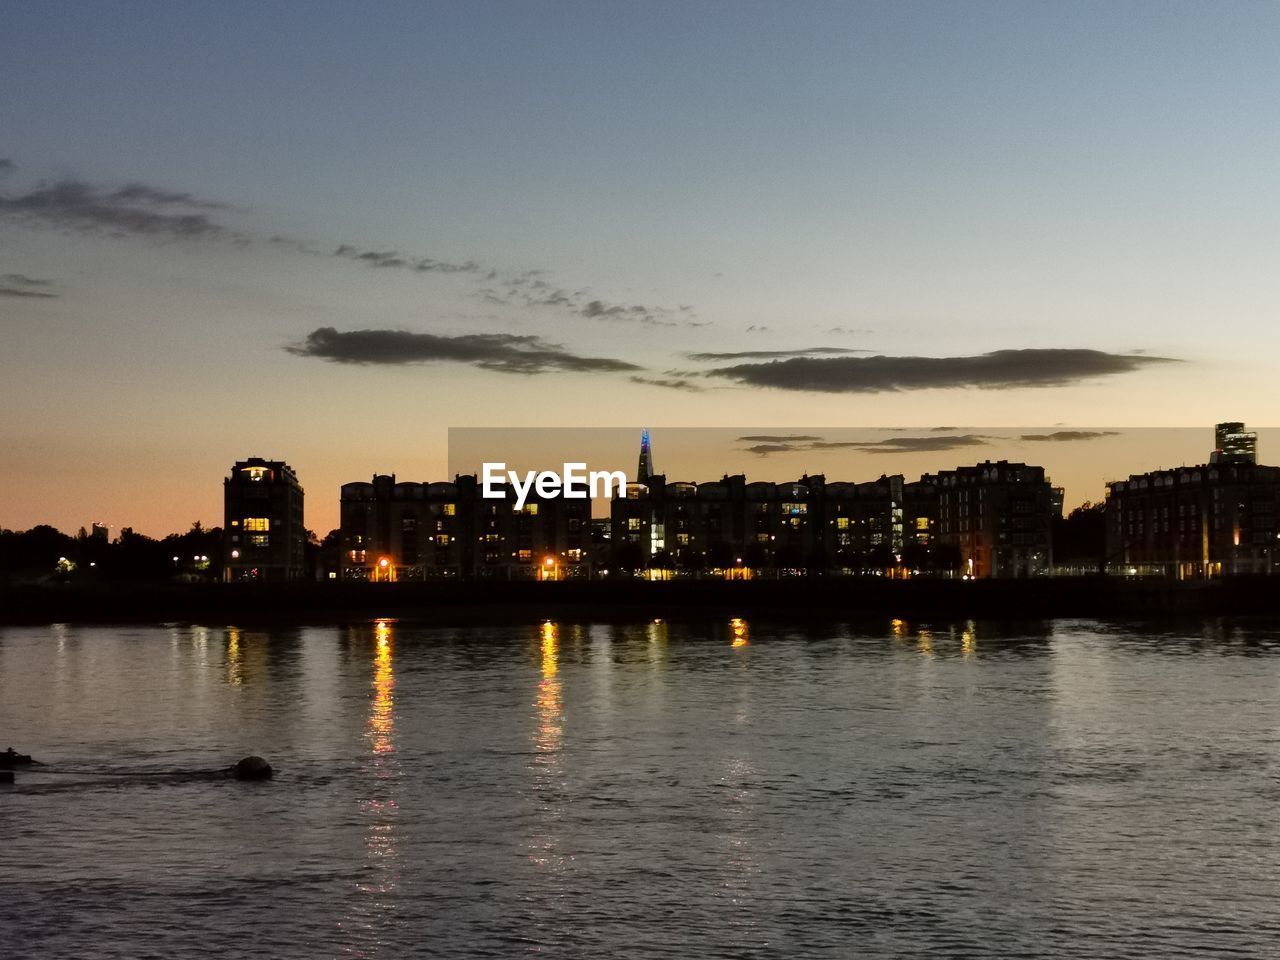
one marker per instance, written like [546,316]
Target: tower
[645,470]
[1234,444]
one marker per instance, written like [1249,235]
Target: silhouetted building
[265,537]
[999,517]
[736,529]
[393,530]
[100,533]
[1233,444]
[1194,522]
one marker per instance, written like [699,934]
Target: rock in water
[9,760]
[6,776]
[251,768]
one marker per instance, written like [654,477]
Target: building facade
[263,522]
[1212,520]
[394,530]
[998,516]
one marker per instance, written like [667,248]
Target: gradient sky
[568,199]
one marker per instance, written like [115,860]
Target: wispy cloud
[132,210]
[21,285]
[770,354]
[1001,369]
[768,444]
[392,260]
[1066,436]
[506,353]
[778,438]
[672,383]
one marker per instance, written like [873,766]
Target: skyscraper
[645,470]
[1233,444]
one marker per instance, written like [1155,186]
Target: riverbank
[505,602]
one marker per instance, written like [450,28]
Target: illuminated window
[526,554]
[682,539]
[922,523]
[795,509]
[442,539]
[235,523]
[575,554]
[842,523]
[259,540]
[633,523]
[257,473]
[762,538]
[450,509]
[257,523]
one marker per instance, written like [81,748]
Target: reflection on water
[548,740]
[719,789]
[235,658]
[375,910]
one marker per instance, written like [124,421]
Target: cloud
[1001,369]
[1068,435]
[768,445]
[393,260]
[778,438]
[768,354]
[672,383]
[20,285]
[6,166]
[506,353]
[907,444]
[132,210]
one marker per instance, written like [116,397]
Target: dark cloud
[390,259]
[906,444]
[768,354]
[27,292]
[1068,435]
[21,285]
[779,438]
[671,383]
[791,444]
[507,353]
[6,166]
[1001,369]
[133,210]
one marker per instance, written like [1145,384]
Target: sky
[328,233]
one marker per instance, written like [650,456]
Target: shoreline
[483,602]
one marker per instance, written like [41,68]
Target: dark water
[1072,789]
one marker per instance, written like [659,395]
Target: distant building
[1233,444]
[394,531]
[1198,522]
[100,532]
[1211,520]
[262,507]
[644,470]
[999,517]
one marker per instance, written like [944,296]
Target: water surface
[1067,789]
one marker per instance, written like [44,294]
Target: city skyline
[912,215]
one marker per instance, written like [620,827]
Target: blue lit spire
[645,470]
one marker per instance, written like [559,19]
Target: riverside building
[262,520]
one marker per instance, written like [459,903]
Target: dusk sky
[329,232]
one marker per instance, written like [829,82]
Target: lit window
[842,523]
[526,554]
[633,523]
[257,524]
[450,509]
[575,554]
[442,539]
[922,523]
[259,540]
